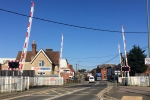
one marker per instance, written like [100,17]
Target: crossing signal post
[13,65]
[125,69]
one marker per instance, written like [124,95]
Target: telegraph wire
[71,25]
[90,57]
[145,47]
[111,59]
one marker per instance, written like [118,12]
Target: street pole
[148,33]
[125,74]
[76,68]
[65,75]
[117,76]
[78,71]
[148,28]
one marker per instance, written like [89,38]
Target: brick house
[104,70]
[104,73]
[69,72]
[66,69]
[43,62]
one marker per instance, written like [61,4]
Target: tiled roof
[28,56]
[53,56]
[106,65]
[70,67]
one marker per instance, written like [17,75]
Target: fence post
[28,83]
[62,81]
[149,80]
[15,86]
[21,83]
[2,85]
[10,83]
[139,81]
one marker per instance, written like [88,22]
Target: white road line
[67,93]
[79,94]
[23,95]
[56,91]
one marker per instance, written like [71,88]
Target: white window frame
[41,63]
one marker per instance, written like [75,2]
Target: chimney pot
[34,48]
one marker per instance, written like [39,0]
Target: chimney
[34,48]
[49,50]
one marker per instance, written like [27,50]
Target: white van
[91,79]
[71,77]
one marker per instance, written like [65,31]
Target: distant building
[104,70]
[111,72]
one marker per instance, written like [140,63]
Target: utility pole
[76,68]
[78,71]
[148,34]
[148,28]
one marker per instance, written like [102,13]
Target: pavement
[130,93]
[87,91]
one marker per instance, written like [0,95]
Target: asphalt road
[86,91]
[132,91]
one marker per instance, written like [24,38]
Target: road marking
[45,92]
[44,95]
[56,91]
[85,92]
[67,93]
[79,94]
[23,95]
[131,98]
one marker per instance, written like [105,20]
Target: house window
[41,63]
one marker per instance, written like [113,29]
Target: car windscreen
[91,78]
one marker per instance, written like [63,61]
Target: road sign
[147,61]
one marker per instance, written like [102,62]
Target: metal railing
[39,81]
[135,80]
[8,87]
[12,84]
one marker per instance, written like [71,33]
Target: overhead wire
[145,47]
[71,25]
[90,57]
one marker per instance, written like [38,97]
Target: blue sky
[78,43]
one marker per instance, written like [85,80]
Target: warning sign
[52,79]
